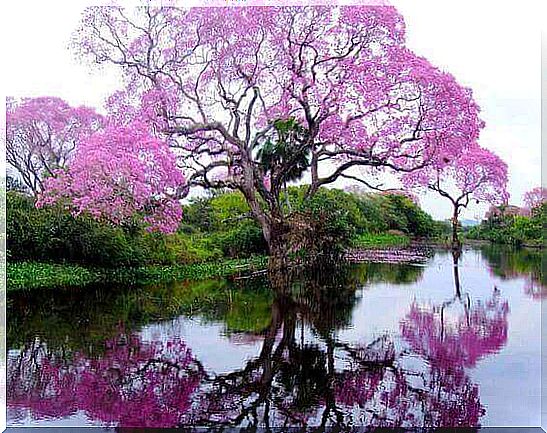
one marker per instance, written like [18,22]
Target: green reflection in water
[78,319]
[508,263]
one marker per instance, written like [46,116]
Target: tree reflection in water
[305,375]
[133,383]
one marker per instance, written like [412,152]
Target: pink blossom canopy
[477,173]
[118,175]
[534,198]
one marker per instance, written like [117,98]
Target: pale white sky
[494,47]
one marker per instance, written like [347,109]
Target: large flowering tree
[476,174]
[214,81]
[42,135]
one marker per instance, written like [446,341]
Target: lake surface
[367,345]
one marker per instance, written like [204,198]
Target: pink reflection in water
[133,383]
[481,331]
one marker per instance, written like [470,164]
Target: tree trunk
[278,249]
[456,245]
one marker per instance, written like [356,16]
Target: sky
[493,47]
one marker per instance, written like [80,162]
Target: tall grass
[34,275]
[370,240]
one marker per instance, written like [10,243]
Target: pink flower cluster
[120,174]
[476,172]
[50,121]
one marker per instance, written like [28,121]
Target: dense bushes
[212,228]
[243,240]
[513,229]
[337,218]
[53,235]
[371,213]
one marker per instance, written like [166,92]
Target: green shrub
[53,235]
[242,241]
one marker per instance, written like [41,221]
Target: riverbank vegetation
[51,247]
[37,275]
[511,229]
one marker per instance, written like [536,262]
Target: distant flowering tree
[42,135]
[481,331]
[477,174]
[216,80]
[534,198]
[121,174]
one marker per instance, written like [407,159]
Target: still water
[367,345]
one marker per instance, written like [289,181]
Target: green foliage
[337,218]
[54,235]
[401,213]
[333,224]
[197,216]
[24,275]
[288,153]
[370,213]
[213,228]
[369,240]
[222,226]
[226,210]
[245,240]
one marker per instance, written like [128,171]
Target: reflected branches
[134,383]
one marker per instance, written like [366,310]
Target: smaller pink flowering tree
[477,174]
[42,135]
[534,198]
[121,175]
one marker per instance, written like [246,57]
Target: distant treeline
[214,227]
[519,230]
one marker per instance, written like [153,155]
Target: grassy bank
[34,275]
[382,240]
